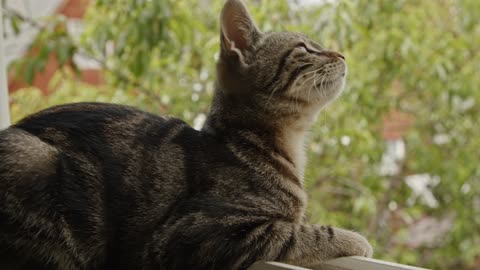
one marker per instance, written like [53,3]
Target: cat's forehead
[274,41]
[282,39]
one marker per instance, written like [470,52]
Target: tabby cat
[102,186]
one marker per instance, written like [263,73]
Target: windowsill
[345,263]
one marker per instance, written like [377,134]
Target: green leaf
[29,74]
[15,22]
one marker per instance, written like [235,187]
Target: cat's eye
[302,47]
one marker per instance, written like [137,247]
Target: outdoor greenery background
[416,57]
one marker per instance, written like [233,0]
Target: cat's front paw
[350,243]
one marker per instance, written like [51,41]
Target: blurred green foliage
[418,57]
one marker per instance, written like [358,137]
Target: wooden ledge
[345,263]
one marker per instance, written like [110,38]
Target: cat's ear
[238,30]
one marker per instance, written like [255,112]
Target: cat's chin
[330,90]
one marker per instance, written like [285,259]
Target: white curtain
[4,103]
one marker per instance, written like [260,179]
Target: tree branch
[81,51]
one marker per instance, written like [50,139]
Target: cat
[103,186]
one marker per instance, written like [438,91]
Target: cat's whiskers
[305,75]
[269,99]
[297,93]
[313,85]
[295,104]
[324,95]
[305,81]
[271,96]
[312,71]
[299,88]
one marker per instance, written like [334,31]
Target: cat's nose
[333,54]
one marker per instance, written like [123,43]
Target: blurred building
[19,45]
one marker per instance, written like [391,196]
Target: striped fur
[102,186]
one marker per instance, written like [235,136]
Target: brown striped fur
[103,186]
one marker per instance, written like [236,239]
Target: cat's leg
[309,245]
[203,243]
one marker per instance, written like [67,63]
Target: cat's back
[101,120]
[98,149]
[99,129]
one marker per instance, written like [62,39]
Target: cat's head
[277,74]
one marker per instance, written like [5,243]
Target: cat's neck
[293,137]
[285,139]
[292,140]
